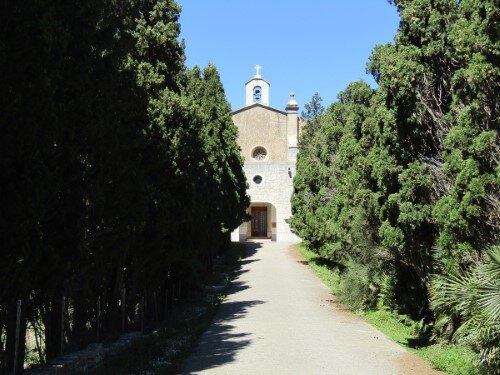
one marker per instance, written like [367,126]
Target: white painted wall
[249,91]
[276,188]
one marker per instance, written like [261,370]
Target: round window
[259,153]
[257,179]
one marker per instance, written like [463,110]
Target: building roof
[258,105]
[259,78]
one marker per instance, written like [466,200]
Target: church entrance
[259,221]
[262,223]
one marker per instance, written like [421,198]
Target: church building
[268,138]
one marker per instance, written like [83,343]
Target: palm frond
[473,296]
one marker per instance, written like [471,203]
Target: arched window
[257,94]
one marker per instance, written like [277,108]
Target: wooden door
[259,221]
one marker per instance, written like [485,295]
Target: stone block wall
[276,188]
[265,127]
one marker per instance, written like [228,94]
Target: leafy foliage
[123,170]
[400,183]
[474,297]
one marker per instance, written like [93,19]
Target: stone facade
[275,190]
[260,126]
[268,140]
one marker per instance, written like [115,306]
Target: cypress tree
[108,155]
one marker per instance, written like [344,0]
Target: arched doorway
[262,223]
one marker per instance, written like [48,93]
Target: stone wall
[82,361]
[262,126]
[276,188]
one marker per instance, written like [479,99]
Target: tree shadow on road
[251,248]
[219,344]
[248,261]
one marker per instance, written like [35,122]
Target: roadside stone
[83,360]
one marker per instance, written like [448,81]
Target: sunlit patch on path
[279,319]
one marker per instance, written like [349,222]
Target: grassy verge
[164,351]
[453,359]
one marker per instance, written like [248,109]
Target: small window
[259,153]
[257,94]
[257,179]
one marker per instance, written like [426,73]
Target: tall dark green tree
[414,75]
[119,168]
[311,174]
[409,187]
[468,211]
[223,167]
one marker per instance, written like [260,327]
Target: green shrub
[356,288]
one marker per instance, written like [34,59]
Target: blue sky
[303,46]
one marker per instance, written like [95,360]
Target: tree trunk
[10,347]
[52,322]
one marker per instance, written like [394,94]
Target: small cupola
[257,89]
[292,105]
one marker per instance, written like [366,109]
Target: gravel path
[279,319]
